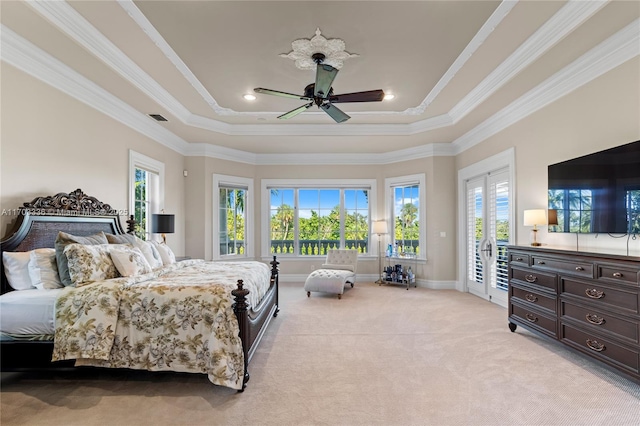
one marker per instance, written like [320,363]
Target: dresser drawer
[534,319]
[535,278]
[519,259]
[618,275]
[602,322]
[526,295]
[601,295]
[577,268]
[601,348]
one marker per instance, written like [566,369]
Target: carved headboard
[40,220]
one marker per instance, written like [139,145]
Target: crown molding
[25,56]
[487,28]
[75,26]
[614,51]
[72,23]
[565,21]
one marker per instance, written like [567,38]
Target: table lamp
[534,218]
[163,224]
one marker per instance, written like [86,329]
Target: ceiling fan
[321,93]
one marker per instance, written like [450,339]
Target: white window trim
[266,184]
[389,184]
[137,160]
[249,239]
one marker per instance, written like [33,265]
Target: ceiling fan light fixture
[389,96]
[249,97]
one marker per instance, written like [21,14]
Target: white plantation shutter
[499,198]
[474,196]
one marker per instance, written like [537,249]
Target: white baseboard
[363,278]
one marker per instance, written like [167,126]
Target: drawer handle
[530,278]
[531,318]
[595,345]
[519,259]
[594,294]
[617,274]
[531,298]
[579,268]
[594,319]
[540,262]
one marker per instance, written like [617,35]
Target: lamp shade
[553,216]
[535,217]
[162,223]
[380,227]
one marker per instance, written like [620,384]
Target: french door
[488,211]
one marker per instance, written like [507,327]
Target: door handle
[487,249]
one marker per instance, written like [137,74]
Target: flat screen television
[597,193]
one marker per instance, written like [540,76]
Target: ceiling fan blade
[324,78]
[334,112]
[368,96]
[296,111]
[281,94]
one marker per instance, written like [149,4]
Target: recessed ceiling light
[249,97]
[389,96]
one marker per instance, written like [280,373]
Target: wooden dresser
[590,302]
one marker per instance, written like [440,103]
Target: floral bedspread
[178,318]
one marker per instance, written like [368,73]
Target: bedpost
[240,309]
[275,281]
[131,225]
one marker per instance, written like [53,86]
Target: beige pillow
[16,268]
[62,241]
[129,261]
[43,269]
[89,263]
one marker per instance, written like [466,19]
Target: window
[406,212]
[232,217]
[146,191]
[305,218]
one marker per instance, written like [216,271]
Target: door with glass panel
[488,204]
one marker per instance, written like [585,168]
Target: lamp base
[536,244]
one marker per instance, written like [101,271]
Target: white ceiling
[459,70]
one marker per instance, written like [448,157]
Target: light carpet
[382,355]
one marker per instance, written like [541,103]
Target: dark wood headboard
[40,220]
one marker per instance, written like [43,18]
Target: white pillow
[43,269]
[16,268]
[150,252]
[165,253]
[129,261]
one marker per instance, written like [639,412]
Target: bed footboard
[254,322]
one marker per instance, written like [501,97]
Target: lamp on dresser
[163,224]
[379,228]
[534,218]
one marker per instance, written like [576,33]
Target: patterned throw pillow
[89,263]
[129,261]
[63,240]
[43,269]
[148,250]
[165,253]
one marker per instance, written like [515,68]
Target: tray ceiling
[453,66]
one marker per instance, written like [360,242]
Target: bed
[188,316]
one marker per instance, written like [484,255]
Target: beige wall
[52,143]
[600,115]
